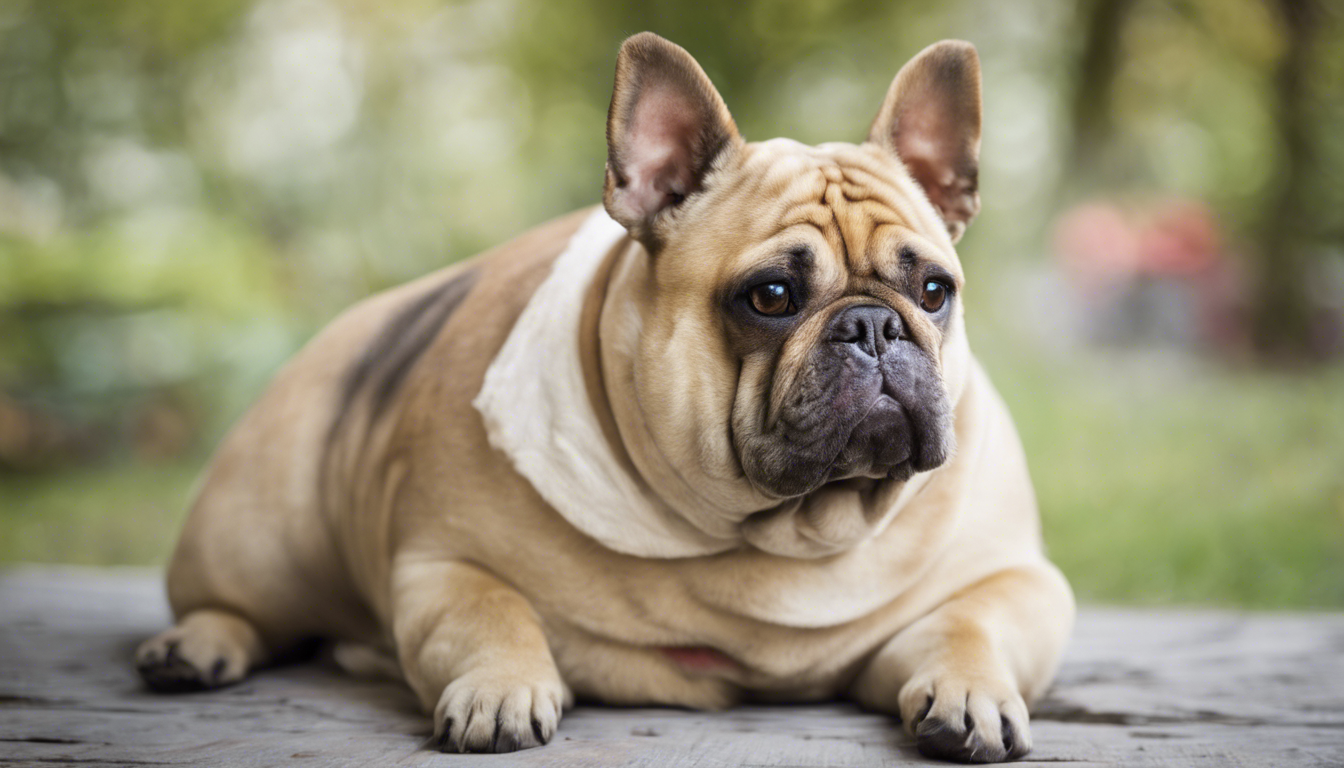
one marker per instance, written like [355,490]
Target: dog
[722,438]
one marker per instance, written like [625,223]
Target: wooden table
[1140,687]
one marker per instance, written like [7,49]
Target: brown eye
[934,296]
[771,299]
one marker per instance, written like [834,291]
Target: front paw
[965,717]
[492,711]
[191,657]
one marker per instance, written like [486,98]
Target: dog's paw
[179,660]
[489,711]
[207,649]
[965,718]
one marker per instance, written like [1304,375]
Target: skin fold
[880,533]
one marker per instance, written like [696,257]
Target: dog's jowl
[722,437]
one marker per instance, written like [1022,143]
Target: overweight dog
[721,439]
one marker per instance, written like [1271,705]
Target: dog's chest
[751,622]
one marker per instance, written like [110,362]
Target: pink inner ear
[928,142]
[659,150]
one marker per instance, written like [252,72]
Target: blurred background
[189,190]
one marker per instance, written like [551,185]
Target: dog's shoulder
[464,306]
[370,348]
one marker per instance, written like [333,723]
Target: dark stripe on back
[388,359]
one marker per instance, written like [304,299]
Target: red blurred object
[1182,238]
[1100,240]
[1167,256]
[1096,242]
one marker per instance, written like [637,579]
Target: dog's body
[374,495]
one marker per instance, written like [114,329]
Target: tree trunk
[1097,68]
[1281,308]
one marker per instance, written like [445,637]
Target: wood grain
[1156,687]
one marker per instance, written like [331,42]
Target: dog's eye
[772,299]
[934,296]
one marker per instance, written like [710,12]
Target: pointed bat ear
[666,127]
[931,121]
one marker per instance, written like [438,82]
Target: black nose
[868,327]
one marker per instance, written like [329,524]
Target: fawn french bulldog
[722,438]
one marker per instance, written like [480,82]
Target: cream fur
[537,411]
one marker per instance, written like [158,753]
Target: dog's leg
[474,651]
[206,649]
[960,677]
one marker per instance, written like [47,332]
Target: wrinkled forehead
[853,207]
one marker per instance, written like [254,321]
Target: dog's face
[797,324]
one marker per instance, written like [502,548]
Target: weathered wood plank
[1138,688]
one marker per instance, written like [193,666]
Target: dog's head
[794,320]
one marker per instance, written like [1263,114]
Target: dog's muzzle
[870,404]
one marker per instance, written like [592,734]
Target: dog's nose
[870,328]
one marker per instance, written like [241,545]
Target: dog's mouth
[882,444]
[887,435]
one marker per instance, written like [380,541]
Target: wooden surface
[1139,688]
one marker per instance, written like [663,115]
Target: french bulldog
[722,438]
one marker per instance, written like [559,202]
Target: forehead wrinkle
[863,202]
[790,184]
[850,235]
[906,199]
[870,171]
[817,213]
[833,201]
[778,170]
[850,195]
[875,173]
[812,213]
[858,219]
[891,225]
[863,186]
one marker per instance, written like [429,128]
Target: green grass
[1202,486]
[123,513]
[1157,485]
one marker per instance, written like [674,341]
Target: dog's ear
[666,126]
[931,121]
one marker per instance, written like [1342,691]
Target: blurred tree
[1285,318]
[1286,217]
[1103,25]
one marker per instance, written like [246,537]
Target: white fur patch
[537,411]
